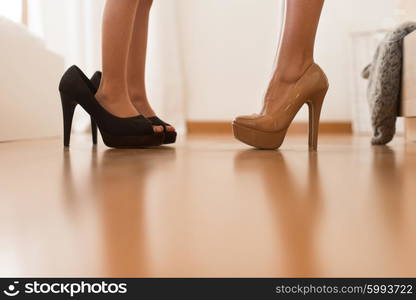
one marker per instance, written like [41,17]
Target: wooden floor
[208,207]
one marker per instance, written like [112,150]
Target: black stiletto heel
[68,109]
[94,131]
[170,136]
[135,132]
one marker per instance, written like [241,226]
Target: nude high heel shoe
[268,130]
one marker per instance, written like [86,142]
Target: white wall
[229,48]
[408,9]
[29,99]
[11,10]
[71,28]
[341,18]
[165,69]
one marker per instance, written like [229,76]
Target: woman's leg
[296,48]
[117,28]
[117,31]
[137,61]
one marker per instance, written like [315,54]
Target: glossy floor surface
[208,207]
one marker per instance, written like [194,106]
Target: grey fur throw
[384,86]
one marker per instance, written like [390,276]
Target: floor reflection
[295,204]
[387,186]
[120,183]
[394,205]
[203,211]
[116,184]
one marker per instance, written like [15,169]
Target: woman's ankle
[291,71]
[285,77]
[116,102]
[144,108]
[110,94]
[141,103]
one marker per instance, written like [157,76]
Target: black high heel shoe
[135,132]
[170,136]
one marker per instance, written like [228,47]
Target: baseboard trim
[410,131]
[208,127]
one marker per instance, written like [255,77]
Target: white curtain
[165,73]
[72,28]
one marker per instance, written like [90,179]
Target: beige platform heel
[268,131]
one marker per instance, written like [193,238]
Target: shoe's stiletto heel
[94,131]
[315,108]
[268,129]
[134,132]
[68,109]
